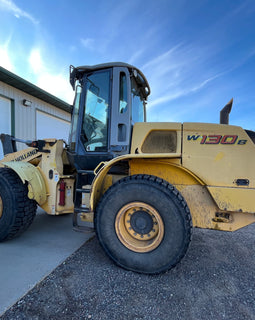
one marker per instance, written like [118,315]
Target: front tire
[144,224]
[17,211]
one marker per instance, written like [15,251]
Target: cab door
[93,121]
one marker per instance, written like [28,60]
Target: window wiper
[84,136]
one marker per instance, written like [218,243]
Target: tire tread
[166,187]
[24,208]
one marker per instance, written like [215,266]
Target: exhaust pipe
[224,114]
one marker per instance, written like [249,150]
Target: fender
[140,164]
[27,172]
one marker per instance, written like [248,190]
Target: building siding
[25,117]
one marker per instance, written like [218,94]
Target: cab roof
[75,72]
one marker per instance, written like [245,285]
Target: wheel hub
[141,222]
[139,227]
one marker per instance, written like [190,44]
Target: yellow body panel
[53,162]
[31,174]
[234,199]
[167,169]
[102,181]
[142,130]
[218,164]
[221,155]
[204,211]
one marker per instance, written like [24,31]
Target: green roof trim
[25,86]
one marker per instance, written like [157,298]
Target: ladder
[81,200]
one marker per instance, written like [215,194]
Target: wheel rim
[139,227]
[1,207]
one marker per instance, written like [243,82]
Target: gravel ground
[215,280]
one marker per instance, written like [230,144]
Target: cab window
[138,114]
[123,93]
[95,120]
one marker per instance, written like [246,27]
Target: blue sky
[196,54]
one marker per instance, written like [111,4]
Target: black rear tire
[17,211]
[125,220]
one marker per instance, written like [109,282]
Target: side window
[123,93]
[138,114]
[95,121]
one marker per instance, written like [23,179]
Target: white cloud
[55,83]
[35,61]
[205,82]
[9,5]
[5,60]
[88,43]
[162,58]
[182,92]
[178,72]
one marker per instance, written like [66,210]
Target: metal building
[28,112]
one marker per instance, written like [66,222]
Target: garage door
[48,126]
[5,119]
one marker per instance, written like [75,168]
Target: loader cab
[109,99]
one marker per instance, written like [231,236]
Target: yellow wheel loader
[143,185]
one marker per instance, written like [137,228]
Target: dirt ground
[215,280]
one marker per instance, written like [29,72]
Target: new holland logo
[26,155]
[217,139]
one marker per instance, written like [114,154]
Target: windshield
[138,103]
[73,129]
[95,120]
